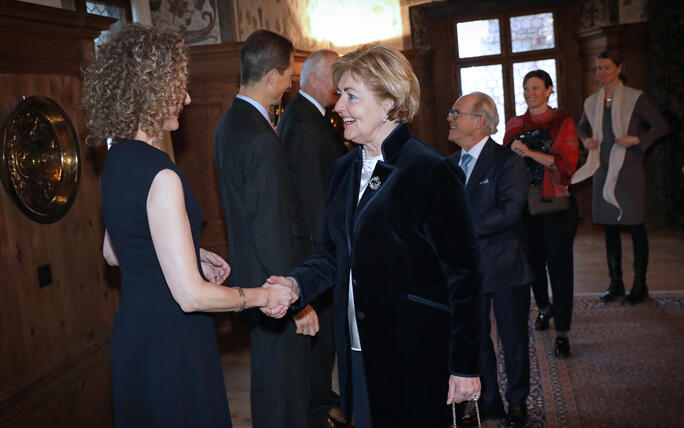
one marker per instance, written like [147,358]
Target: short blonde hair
[387,73]
[133,82]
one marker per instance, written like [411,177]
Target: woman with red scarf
[547,139]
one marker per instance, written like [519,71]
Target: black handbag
[537,205]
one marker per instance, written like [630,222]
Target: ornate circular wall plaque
[39,159]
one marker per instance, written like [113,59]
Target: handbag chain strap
[477,412]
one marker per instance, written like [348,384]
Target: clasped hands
[306,319]
[520,149]
[625,141]
[283,291]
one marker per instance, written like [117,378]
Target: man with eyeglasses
[497,187]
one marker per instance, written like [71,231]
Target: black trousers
[322,362]
[281,374]
[511,311]
[639,242]
[549,240]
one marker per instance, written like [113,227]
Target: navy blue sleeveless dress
[166,370]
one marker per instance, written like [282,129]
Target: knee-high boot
[639,291]
[614,255]
[617,287]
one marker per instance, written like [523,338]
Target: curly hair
[134,82]
[387,73]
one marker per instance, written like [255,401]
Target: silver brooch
[374,183]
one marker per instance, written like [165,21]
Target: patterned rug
[626,367]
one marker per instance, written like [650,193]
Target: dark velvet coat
[414,255]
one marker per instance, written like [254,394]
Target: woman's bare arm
[172,238]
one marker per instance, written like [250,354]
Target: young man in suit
[267,232]
[312,145]
[497,187]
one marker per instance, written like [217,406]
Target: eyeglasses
[455,113]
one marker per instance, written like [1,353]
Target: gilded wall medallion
[39,159]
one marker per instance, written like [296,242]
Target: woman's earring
[384,118]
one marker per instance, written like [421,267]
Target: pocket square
[485,181]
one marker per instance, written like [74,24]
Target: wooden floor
[666,272]
[665,266]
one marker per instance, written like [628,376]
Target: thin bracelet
[241,292]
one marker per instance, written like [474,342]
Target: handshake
[281,292]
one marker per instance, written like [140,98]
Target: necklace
[368,165]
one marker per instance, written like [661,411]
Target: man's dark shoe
[517,416]
[336,423]
[562,347]
[470,420]
[542,322]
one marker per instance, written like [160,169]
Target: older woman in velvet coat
[400,250]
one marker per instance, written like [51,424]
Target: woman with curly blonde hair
[165,362]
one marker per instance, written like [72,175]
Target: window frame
[123,5]
[507,57]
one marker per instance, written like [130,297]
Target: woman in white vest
[617,127]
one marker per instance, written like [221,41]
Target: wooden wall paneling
[445,84]
[421,62]
[54,364]
[47,326]
[214,80]
[570,69]
[41,39]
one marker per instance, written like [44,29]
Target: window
[493,54]
[117,9]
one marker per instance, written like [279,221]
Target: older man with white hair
[496,186]
[312,146]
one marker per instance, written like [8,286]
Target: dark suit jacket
[312,146]
[411,247]
[267,234]
[497,190]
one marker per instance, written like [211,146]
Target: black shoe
[470,420]
[562,347]
[615,290]
[638,294]
[517,416]
[542,322]
[336,423]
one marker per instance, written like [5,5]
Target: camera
[538,140]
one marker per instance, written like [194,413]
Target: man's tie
[465,160]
